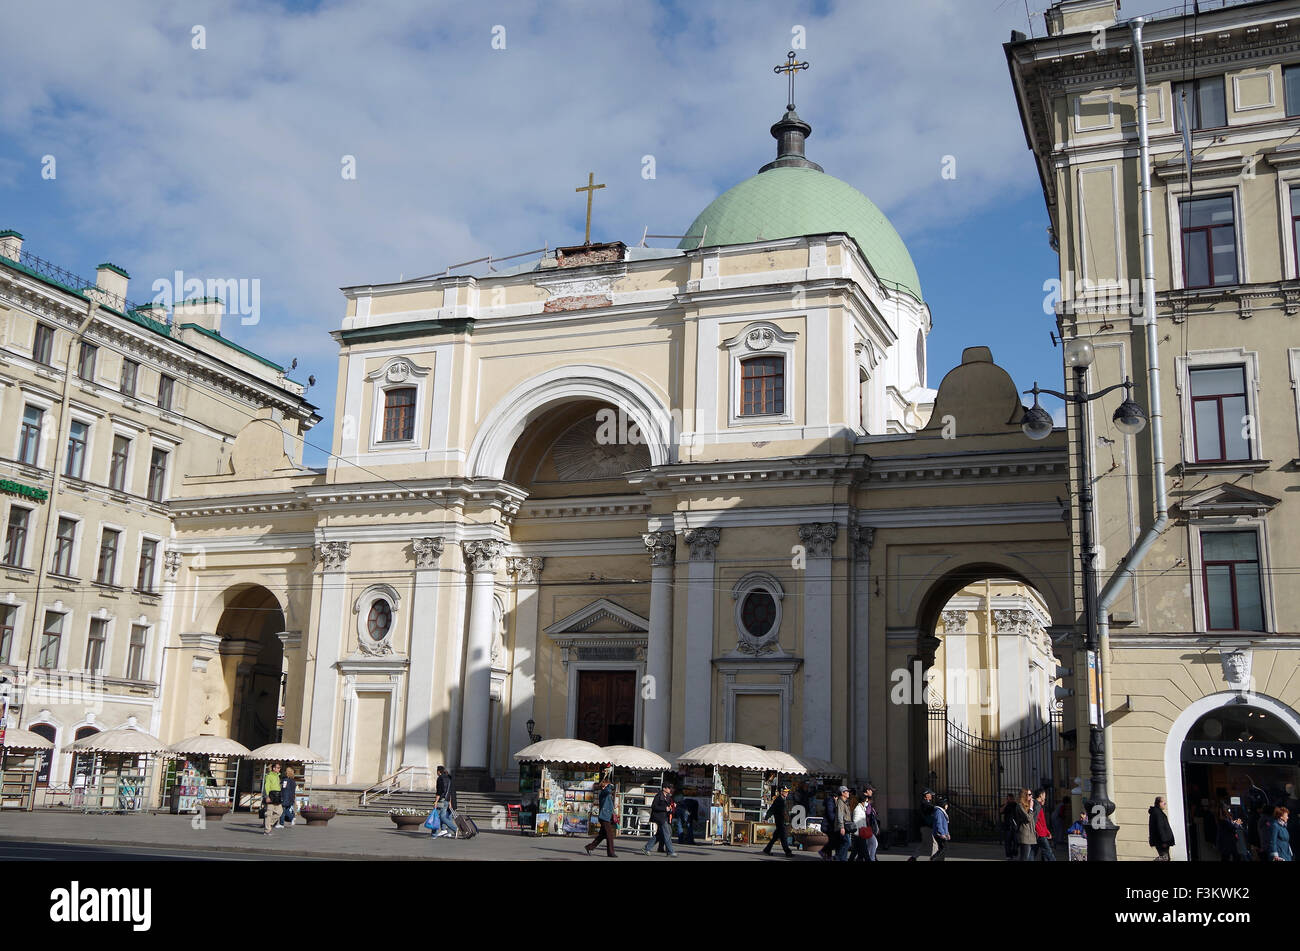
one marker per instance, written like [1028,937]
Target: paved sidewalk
[366,837]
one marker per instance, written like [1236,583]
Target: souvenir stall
[558,785]
[638,776]
[290,756]
[20,761]
[120,771]
[810,790]
[737,800]
[202,769]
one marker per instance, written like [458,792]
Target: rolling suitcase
[465,827]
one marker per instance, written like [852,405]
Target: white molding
[1116,219]
[503,425]
[769,644]
[763,338]
[361,608]
[1236,92]
[575,666]
[1198,527]
[1223,356]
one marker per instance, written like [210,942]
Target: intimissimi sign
[1205,751]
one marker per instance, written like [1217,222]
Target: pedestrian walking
[842,827]
[288,798]
[1275,843]
[271,798]
[1228,837]
[605,816]
[1159,834]
[1042,830]
[1024,819]
[777,812]
[829,812]
[866,832]
[688,809]
[1009,827]
[660,810]
[941,834]
[927,823]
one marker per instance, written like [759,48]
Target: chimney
[1080,16]
[110,282]
[204,312]
[11,244]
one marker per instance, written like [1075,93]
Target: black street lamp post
[1129,419]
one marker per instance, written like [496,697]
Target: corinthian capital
[818,538]
[333,556]
[484,554]
[662,547]
[427,551]
[703,542]
[525,570]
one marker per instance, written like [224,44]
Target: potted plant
[317,815]
[214,808]
[407,818]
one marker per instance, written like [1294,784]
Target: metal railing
[66,278]
[404,778]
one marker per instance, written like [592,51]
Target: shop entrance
[607,707]
[1238,763]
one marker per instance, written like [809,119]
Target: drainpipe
[1131,561]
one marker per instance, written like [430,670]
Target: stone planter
[407,822]
[215,810]
[812,841]
[317,816]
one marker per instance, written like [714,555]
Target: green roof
[790,202]
[233,346]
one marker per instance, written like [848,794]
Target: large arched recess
[490,451]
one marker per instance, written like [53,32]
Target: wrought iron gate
[977,772]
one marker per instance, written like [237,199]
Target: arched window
[83,764]
[399,414]
[762,386]
[44,757]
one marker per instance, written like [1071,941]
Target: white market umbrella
[562,751]
[209,746]
[124,740]
[785,763]
[734,755]
[16,739]
[635,757]
[293,752]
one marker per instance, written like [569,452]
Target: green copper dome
[789,202]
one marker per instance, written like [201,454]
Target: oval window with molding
[380,619]
[758,613]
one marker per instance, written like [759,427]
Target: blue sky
[225,161]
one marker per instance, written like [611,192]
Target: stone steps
[481,807]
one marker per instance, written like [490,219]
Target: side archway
[490,451]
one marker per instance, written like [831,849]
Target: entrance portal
[607,707]
[252,660]
[1238,763]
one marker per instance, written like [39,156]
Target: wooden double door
[607,707]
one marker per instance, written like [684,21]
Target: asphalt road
[16,851]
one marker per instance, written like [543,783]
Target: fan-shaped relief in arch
[603,446]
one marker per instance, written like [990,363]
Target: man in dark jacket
[660,808]
[1159,833]
[777,813]
[605,818]
[1009,826]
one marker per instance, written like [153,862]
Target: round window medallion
[379,620]
[758,613]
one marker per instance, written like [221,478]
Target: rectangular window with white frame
[29,435]
[51,643]
[16,532]
[1230,573]
[146,580]
[136,652]
[43,344]
[118,463]
[78,441]
[8,627]
[96,639]
[86,358]
[157,474]
[1209,241]
[130,374]
[65,543]
[106,566]
[1220,392]
[1203,100]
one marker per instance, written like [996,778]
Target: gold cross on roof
[589,188]
[790,67]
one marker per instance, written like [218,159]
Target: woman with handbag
[288,798]
[866,831]
[1023,817]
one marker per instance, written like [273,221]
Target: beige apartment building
[105,409]
[1201,671]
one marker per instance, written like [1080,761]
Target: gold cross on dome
[589,188]
[790,67]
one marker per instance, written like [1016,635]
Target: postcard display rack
[567,799]
[119,782]
[18,780]
[195,778]
[746,802]
[636,791]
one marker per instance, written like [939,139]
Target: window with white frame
[86,358]
[130,374]
[398,407]
[1220,391]
[16,536]
[78,439]
[96,638]
[136,650]
[157,474]
[65,541]
[1209,241]
[376,610]
[8,625]
[118,461]
[29,434]
[166,391]
[106,567]
[51,640]
[761,379]
[43,344]
[146,575]
[399,414]
[1230,574]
